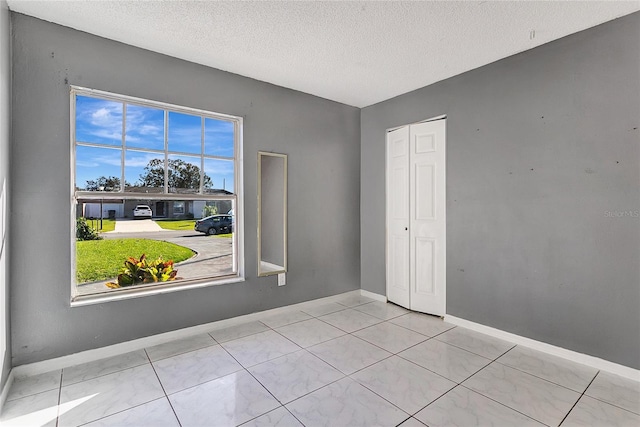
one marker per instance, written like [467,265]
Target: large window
[149,178]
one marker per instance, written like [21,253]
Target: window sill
[83,300]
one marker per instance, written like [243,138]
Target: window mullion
[201,155]
[166,150]
[124,146]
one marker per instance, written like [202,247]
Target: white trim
[6,388]
[155,289]
[138,344]
[573,356]
[432,119]
[372,295]
[237,198]
[111,96]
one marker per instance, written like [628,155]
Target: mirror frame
[261,270]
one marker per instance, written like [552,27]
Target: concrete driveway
[135,226]
[214,255]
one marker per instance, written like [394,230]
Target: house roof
[358,53]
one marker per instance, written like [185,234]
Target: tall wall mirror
[272,213]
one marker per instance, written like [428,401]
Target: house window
[145,174]
[178,208]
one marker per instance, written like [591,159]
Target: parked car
[215,224]
[142,211]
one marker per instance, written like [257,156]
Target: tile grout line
[537,376]
[258,381]
[604,401]
[499,403]
[166,396]
[490,398]
[59,397]
[578,400]
[109,373]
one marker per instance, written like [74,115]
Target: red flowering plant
[140,271]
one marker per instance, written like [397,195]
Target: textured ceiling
[357,53]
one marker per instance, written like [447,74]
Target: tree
[180,173]
[104,183]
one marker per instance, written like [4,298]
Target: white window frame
[238,197]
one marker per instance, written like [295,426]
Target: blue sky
[100,121]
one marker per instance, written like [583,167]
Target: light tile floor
[348,362]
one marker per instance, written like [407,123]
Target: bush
[209,210]
[136,271]
[84,230]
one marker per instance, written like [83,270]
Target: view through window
[156,194]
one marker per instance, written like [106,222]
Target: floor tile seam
[407,419]
[59,398]
[274,409]
[166,396]
[368,366]
[613,404]
[434,400]
[293,415]
[125,410]
[408,329]
[291,341]
[324,314]
[268,391]
[346,332]
[104,375]
[463,349]
[287,324]
[355,310]
[535,376]
[327,362]
[30,394]
[440,375]
[478,354]
[502,404]
[289,354]
[578,400]
[352,306]
[181,353]
[313,391]
[381,397]
[389,351]
[410,347]
[604,401]
[373,315]
[545,379]
[421,333]
[303,395]
[373,344]
[237,338]
[203,382]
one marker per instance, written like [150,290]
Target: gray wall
[5,136]
[322,139]
[539,147]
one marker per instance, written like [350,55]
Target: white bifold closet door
[416,217]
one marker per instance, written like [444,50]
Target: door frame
[387,192]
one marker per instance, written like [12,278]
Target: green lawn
[176,224]
[102,259]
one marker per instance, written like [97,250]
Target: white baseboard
[372,295]
[5,389]
[140,343]
[574,356]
